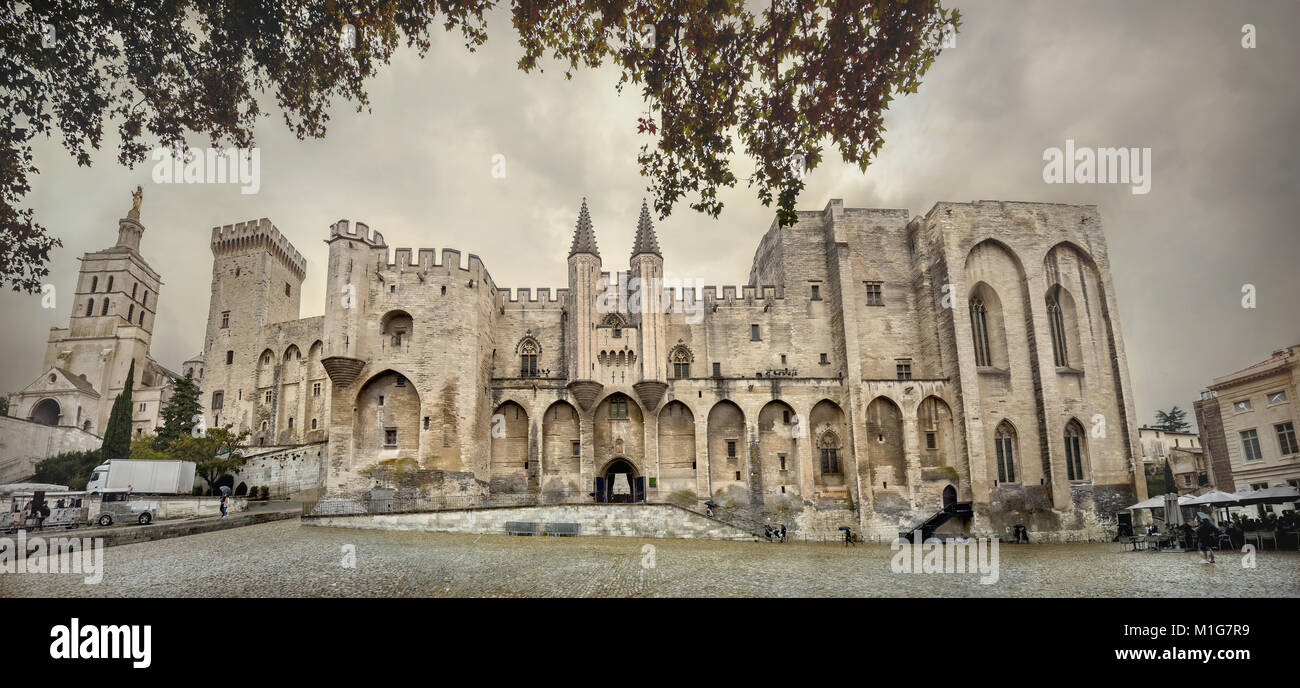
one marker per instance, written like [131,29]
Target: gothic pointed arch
[530,352]
[680,358]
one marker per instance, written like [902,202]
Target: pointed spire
[646,241]
[584,237]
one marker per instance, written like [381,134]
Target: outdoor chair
[1261,536]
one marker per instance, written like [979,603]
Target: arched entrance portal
[47,412]
[949,496]
[619,483]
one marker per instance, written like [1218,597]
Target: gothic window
[94,283]
[1056,324]
[230,357]
[390,437]
[903,366]
[225,319]
[90,308]
[104,311]
[1004,442]
[313,423]
[829,444]
[1074,448]
[731,450]
[141,317]
[980,331]
[218,398]
[315,389]
[134,287]
[529,350]
[680,359]
[110,283]
[268,397]
[618,408]
[144,301]
[130,312]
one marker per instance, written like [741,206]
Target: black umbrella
[845,528]
[225,490]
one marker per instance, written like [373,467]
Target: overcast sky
[1170,75]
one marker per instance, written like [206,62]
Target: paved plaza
[287,559]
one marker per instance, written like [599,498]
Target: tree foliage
[69,468]
[180,414]
[215,453]
[144,447]
[780,80]
[117,434]
[1174,420]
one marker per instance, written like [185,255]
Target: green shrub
[197,491]
[264,492]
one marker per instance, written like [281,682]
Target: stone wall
[286,470]
[24,443]
[623,520]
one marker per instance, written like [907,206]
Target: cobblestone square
[286,559]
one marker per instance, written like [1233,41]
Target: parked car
[124,507]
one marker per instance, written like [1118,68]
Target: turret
[347,299]
[646,283]
[584,277]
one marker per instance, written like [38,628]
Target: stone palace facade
[876,368]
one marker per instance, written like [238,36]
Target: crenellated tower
[257,279]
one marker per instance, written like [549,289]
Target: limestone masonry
[875,369]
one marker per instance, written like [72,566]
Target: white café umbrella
[1214,498]
[1157,502]
[1277,495]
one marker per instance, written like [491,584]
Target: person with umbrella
[225,496]
[1205,536]
[708,508]
[848,535]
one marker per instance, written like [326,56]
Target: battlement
[361,232]
[541,295]
[748,293]
[426,260]
[258,234]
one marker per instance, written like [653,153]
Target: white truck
[143,477]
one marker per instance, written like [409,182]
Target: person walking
[1205,535]
[224,505]
[782,532]
[848,537]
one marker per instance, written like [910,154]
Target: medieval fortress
[876,368]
